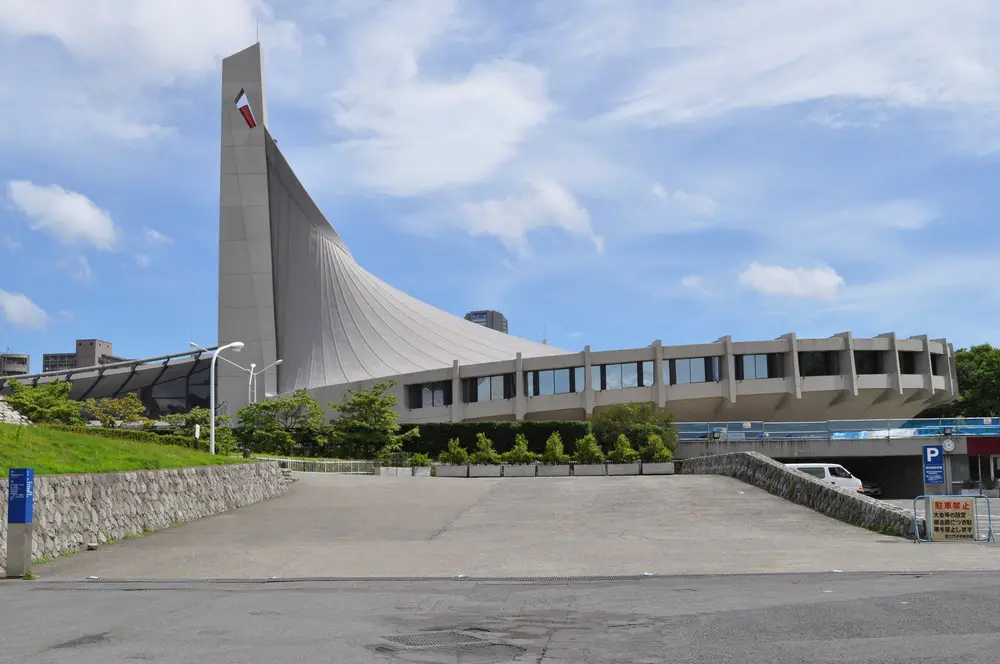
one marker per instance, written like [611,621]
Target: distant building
[89,353]
[488,318]
[14,364]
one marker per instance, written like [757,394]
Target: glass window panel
[546,382]
[647,374]
[496,387]
[578,378]
[561,381]
[427,395]
[483,388]
[595,378]
[172,388]
[837,471]
[630,374]
[438,394]
[748,367]
[683,369]
[698,370]
[761,362]
[168,406]
[716,370]
[613,376]
[531,383]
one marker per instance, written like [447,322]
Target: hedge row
[434,436]
[136,435]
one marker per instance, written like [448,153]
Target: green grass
[52,452]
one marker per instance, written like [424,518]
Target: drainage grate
[434,639]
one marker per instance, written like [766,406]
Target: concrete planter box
[448,470]
[519,470]
[560,470]
[589,469]
[484,471]
[623,468]
[392,471]
[421,471]
[663,468]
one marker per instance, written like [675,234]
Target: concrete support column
[947,368]
[457,398]
[728,372]
[892,363]
[848,367]
[588,389]
[792,365]
[924,364]
[520,391]
[659,379]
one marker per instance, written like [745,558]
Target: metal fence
[840,429]
[326,466]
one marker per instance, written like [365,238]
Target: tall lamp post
[237,346]
[254,374]
[250,383]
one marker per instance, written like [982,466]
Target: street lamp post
[237,346]
[250,382]
[253,376]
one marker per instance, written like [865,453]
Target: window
[907,362]
[596,383]
[647,373]
[622,376]
[867,362]
[937,365]
[487,388]
[553,381]
[428,395]
[819,363]
[561,380]
[837,471]
[630,375]
[612,376]
[579,378]
[694,370]
[751,367]
[815,472]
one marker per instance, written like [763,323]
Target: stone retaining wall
[777,478]
[72,511]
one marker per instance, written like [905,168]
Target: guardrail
[340,467]
[839,429]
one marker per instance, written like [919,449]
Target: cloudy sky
[605,172]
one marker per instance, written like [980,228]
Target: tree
[455,454]
[282,424]
[637,421]
[45,403]
[484,454]
[554,452]
[588,451]
[654,451]
[367,421]
[519,454]
[114,412]
[978,372]
[623,451]
[183,424]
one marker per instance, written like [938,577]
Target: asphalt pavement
[770,619]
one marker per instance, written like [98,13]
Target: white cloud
[821,283]
[19,310]
[714,58]
[67,215]
[154,236]
[512,219]
[410,132]
[142,260]
[79,269]
[10,243]
[698,205]
[152,40]
[658,191]
[695,283]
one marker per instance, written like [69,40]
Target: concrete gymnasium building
[289,288]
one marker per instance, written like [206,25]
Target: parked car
[871,489]
[830,472]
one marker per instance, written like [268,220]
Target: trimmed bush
[455,453]
[136,435]
[655,451]
[623,451]
[554,453]
[434,436]
[420,460]
[484,454]
[519,454]
[587,450]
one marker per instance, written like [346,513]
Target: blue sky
[605,172]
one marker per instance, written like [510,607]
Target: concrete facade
[14,364]
[89,353]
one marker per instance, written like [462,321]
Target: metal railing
[337,466]
[840,429]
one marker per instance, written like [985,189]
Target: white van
[829,472]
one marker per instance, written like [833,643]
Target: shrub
[455,454]
[520,452]
[434,436]
[136,435]
[113,412]
[392,454]
[554,453]
[484,454]
[622,452]
[587,450]
[635,420]
[655,451]
[420,460]
[45,403]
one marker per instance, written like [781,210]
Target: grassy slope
[52,452]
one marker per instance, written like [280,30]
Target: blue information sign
[933,464]
[20,495]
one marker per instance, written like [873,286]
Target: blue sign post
[20,506]
[933,464]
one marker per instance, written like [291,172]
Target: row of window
[640,374]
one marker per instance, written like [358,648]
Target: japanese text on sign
[952,519]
